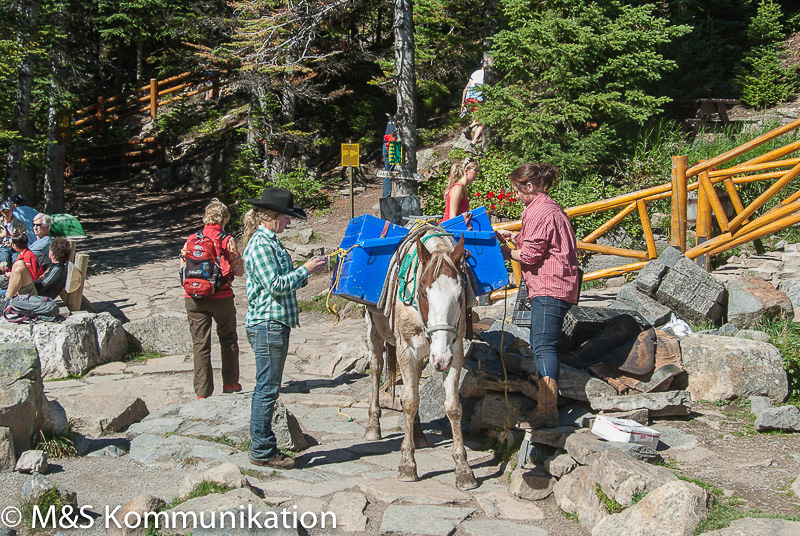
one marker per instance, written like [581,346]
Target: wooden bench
[72,295]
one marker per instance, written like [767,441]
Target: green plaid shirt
[271,280]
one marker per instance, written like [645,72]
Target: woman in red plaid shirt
[547,252]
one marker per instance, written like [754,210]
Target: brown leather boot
[546,412]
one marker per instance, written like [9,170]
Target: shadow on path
[128,227]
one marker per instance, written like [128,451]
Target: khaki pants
[223,312]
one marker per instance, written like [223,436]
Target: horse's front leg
[376,344]
[465,479]
[411,371]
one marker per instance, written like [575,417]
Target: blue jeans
[6,254]
[547,317]
[270,342]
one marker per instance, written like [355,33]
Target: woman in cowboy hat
[272,311]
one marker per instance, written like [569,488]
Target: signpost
[63,123]
[350,160]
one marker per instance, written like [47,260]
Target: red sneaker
[231,388]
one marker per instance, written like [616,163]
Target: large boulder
[692,293]
[166,333]
[674,509]
[8,456]
[750,299]
[750,526]
[21,393]
[655,313]
[79,343]
[724,368]
[576,493]
[621,477]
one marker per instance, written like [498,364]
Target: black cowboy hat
[279,200]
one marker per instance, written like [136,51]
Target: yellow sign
[63,124]
[350,155]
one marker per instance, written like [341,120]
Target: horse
[432,323]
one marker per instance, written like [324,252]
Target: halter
[429,330]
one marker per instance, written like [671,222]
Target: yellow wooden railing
[146,99]
[744,227]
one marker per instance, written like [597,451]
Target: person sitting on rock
[24,271]
[52,282]
[41,246]
[25,214]
[11,226]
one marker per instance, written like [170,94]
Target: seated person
[25,269]
[52,282]
[41,246]
[10,227]
[25,214]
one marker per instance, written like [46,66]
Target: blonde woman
[462,174]
[272,311]
[218,307]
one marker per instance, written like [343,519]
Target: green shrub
[764,81]
[785,335]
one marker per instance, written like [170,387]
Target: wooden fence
[745,226]
[146,99]
[132,154]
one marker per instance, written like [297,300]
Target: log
[75,281]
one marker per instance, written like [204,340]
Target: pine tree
[764,81]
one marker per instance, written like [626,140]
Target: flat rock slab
[657,404]
[493,527]
[503,506]
[428,492]
[300,488]
[674,440]
[349,508]
[422,520]
[749,526]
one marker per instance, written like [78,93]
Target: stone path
[341,472]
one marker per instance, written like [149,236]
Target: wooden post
[161,151]
[100,114]
[75,282]
[352,200]
[153,98]
[678,221]
[647,229]
[703,228]
[215,85]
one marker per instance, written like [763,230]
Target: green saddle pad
[66,225]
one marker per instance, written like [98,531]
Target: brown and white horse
[434,325]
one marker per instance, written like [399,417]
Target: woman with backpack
[210,261]
[272,312]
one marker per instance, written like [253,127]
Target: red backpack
[201,273]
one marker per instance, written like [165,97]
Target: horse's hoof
[466,481]
[407,476]
[373,434]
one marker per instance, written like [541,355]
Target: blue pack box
[485,259]
[363,270]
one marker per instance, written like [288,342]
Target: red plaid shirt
[548,251]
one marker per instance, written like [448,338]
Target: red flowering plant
[490,189]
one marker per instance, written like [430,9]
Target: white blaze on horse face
[444,309]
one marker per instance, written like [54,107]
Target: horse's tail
[391,367]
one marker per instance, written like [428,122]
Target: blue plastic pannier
[363,270]
[485,258]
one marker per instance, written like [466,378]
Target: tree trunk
[54,172]
[139,62]
[406,90]
[18,180]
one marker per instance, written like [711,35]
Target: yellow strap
[340,412]
[340,255]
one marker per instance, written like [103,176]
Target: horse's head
[441,300]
